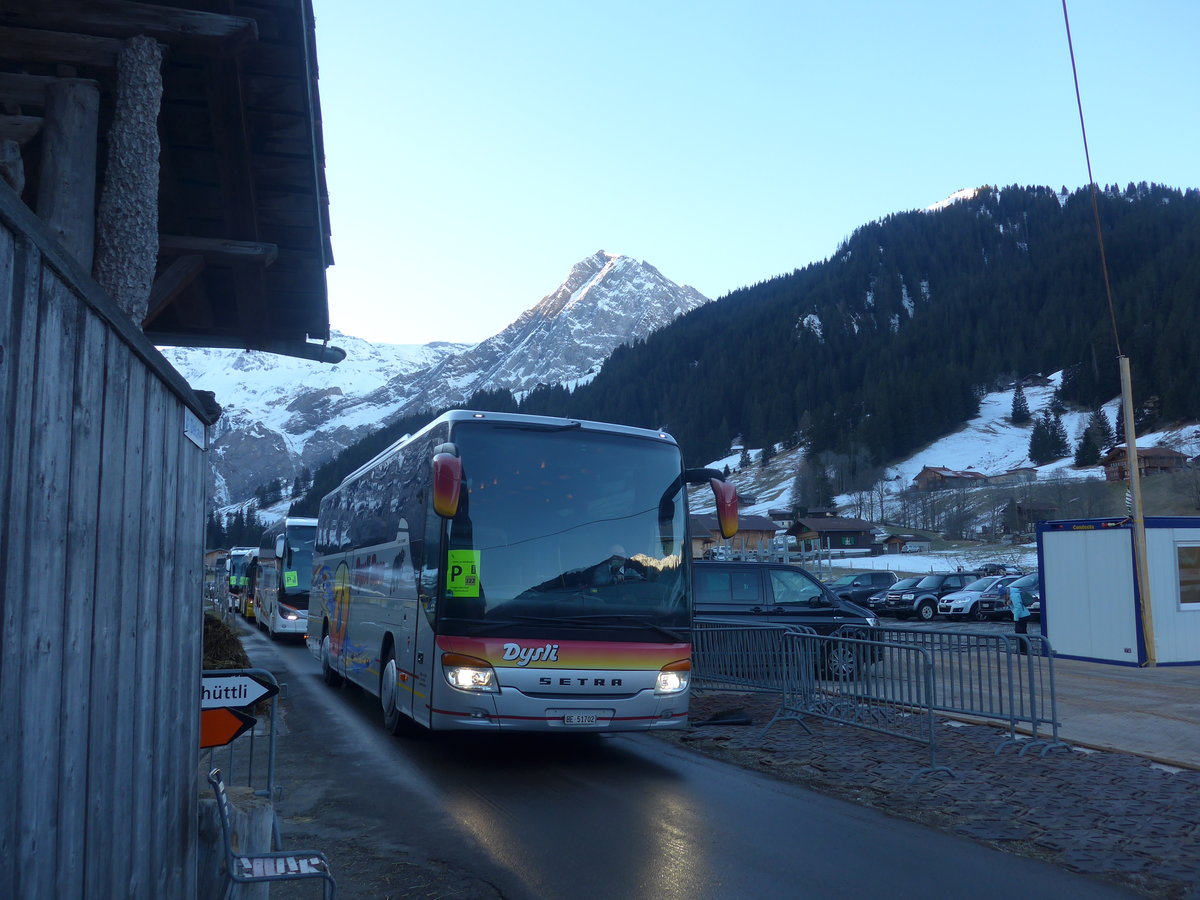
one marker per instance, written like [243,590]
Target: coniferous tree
[1086,451]
[1061,442]
[1097,437]
[1101,429]
[236,526]
[744,459]
[214,533]
[1048,441]
[1020,406]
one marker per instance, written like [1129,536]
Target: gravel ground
[1112,816]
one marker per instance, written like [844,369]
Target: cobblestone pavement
[1114,816]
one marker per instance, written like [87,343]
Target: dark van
[776,593]
[772,592]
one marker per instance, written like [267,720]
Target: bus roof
[470,415]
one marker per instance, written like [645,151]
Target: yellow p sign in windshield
[290,578]
[462,575]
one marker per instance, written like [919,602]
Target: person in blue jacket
[1021,614]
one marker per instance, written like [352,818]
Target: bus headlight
[469,674]
[674,677]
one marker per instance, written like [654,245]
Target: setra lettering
[582,682]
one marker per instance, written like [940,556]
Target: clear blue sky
[476,150]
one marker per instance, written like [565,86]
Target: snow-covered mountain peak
[963,194]
[282,414]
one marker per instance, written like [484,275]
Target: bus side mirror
[279,542]
[727,507]
[447,483]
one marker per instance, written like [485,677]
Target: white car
[965,602]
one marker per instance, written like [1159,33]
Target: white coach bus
[497,571]
[284,575]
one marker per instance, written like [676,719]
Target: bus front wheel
[332,678]
[394,720]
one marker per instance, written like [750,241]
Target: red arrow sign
[221,725]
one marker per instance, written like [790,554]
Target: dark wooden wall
[101,545]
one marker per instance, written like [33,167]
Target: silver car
[964,603]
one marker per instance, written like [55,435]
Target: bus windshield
[566,534]
[297,570]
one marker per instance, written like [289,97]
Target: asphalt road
[602,816]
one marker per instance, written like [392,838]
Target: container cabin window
[1188,557]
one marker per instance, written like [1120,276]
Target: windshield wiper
[597,618]
[628,621]
[529,426]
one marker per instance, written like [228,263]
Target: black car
[921,599]
[861,586]
[761,593]
[878,601]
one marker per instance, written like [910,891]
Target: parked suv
[754,593]
[877,601]
[922,598]
[859,588]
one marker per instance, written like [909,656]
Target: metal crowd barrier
[731,655]
[250,759]
[1007,677]
[890,680]
[881,686]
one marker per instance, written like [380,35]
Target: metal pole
[1141,572]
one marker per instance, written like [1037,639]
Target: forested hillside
[889,343]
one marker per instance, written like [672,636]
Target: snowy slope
[989,443]
[263,388]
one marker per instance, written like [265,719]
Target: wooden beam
[29,45]
[19,128]
[66,199]
[174,279]
[219,249]
[30,90]
[122,19]
[232,144]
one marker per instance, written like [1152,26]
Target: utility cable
[1092,185]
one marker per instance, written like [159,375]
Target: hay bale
[222,646]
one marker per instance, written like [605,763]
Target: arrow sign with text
[220,726]
[238,691]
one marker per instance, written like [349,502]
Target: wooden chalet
[1022,475]
[906,543]
[833,533]
[1151,461]
[161,182]
[754,532]
[939,478]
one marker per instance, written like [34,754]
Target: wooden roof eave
[88,34]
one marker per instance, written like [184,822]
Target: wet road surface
[469,815]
